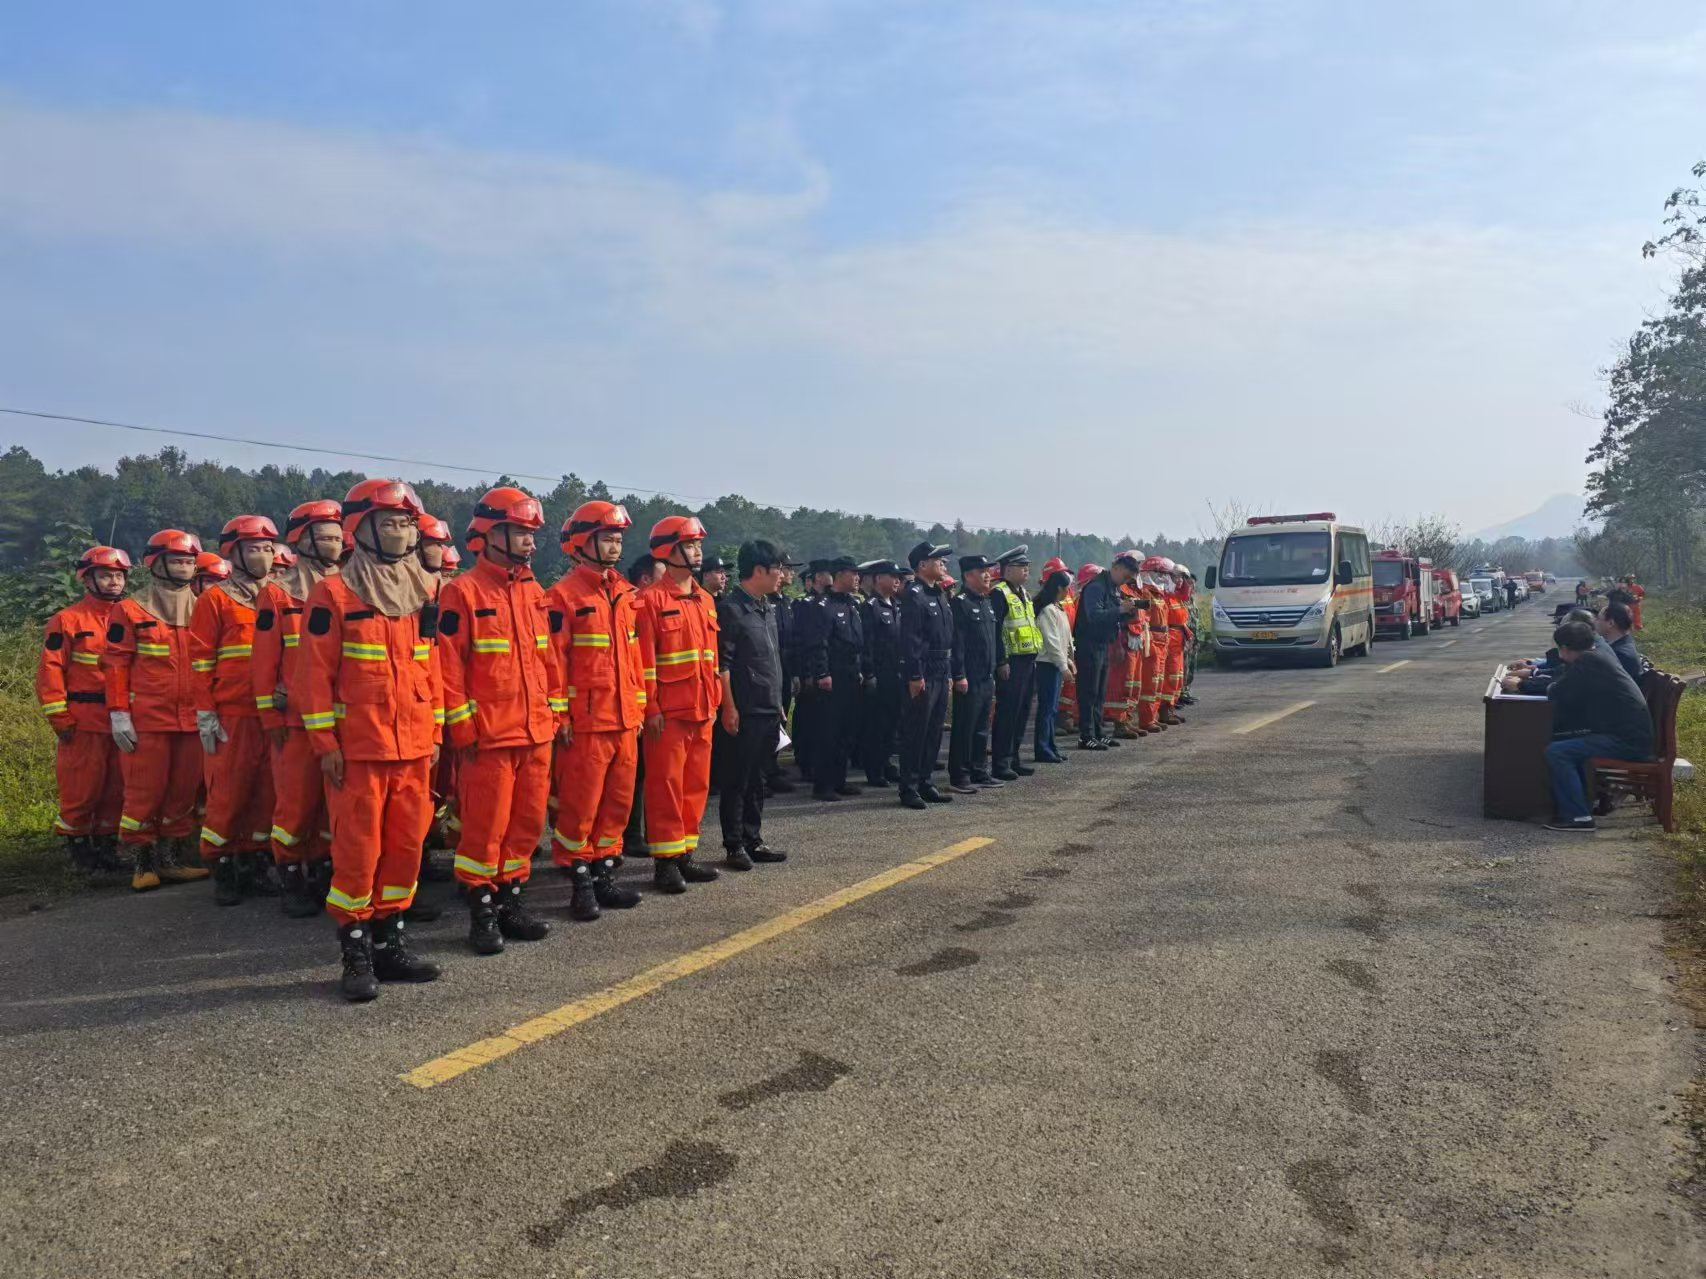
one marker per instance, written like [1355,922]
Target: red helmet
[1056,565]
[171,541]
[452,559]
[434,529]
[284,557]
[503,506]
[209,564]
[1156,564]
[589,520]
[376,495]
[321,510]
[102,557]
[247,528]
[1087,573]
[672,530]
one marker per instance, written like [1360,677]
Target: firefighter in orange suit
[1125,665]
[238,822]
[1638,593]
[684,688]
[301,842]
[504,705]
[73,696]
[1154,584]
[151,714]
[372,704]
[1178,636]
[594,633]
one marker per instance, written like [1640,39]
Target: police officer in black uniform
[775,780]
[930,658]
[885,689]
[979,633]
[832,655]
[807,704]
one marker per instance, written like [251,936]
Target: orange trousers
[162,779]
[239,791]
[1173,676]
[1149,705]
[502,792]
[595,793]
[91,788]
[380,816]
[678,779]
[299,817]
[1116,705]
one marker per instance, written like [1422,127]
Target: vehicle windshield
[1388,572]
[1276,559]
[1482,585]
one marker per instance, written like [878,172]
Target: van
[1293,585]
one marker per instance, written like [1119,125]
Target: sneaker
[986,781]
[1583,824]
[962,788]
[1092,746]
[1005,774]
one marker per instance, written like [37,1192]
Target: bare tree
[1229,515]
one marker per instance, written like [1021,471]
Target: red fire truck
[1403,594]
[1448,598]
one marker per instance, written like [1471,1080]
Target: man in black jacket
[979,632]
[885,690]
[750,660]
[1614,624]
[1597,711]
[1102,611]
[930,657]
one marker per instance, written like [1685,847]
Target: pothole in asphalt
[943,961]
[684,1169]
[814,1073]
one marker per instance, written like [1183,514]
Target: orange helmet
[211,565]
[503,506]
[171,541]
[434,529]
[1056,565]
[376,495]
[588,521]
[102,557]
[283,557]
[321,510]
[1088,573]
[672,530]
[247,528]
[452,559]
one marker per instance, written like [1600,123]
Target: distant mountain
[1558,516]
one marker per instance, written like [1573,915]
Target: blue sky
[1090,264]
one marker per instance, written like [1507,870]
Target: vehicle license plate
[1263,635]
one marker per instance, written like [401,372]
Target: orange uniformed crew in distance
[594,628]
[369,690]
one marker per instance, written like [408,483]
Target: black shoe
[226,891]
[847,790]
[779,784]
[765,853]
[106,854]
[583,905]
[962,788]
[1111,743]
[1585,825]
[1019,770]
[296,897]
[1005,774]
[934,796]
[610,894]
[82,851]
[254,875]
[693,872]
[320,878]
[986,781]
[666,876]
[737,859]
[825,796]
[392,959]
[513,920]
[358,983]
[912,799]
[1091,746]
[483,933]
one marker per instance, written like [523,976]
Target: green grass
[32,858]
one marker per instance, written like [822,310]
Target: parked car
[1471,602]
[1492,598]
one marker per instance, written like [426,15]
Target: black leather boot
[611,895]
[226,891]
[666,875]
[254,875]
[358,983]
[82,851]
[296,896]
[583,903]
[513,920]
[483,934]
[693,872]
[392,959]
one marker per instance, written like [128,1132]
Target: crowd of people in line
[293,714]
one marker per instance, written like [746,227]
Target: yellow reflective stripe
[365,652]
[153,650]
[491,646]
[128,823]
[651,672]
[573,845]
[640,696]
[671,846]
[86,659]
[456,714]
[558,704]
[396,892]
[337,897]
[292,641]
[438,715]
[679,657]
[234,650]
[541,641]
[512,864]
[213,837]
[52,708]
[468,866]
[201,664]
[606,841]
[591,639]
[316,720]
[422,652]
[283,836]
[339,709]
[267,702]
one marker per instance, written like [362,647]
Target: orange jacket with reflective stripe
[502,684]
[69,684]
[147,670]
[594,631]
[222,640]
[278,639]
[678,649]
[365,682]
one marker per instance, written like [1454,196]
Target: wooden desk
[1515,783]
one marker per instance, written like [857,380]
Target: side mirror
[1344,575]
[1209,576]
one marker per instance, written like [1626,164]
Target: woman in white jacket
[1054,663]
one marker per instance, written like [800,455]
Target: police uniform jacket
[929,640]
[980,635]
[881,619]
[832,639]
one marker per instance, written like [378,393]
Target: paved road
[1267,1002]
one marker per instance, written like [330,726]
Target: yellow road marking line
[1394,666]
[485,1051]
[1265,720]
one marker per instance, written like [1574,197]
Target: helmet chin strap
[383,556]
[492,546]
[104,596]
[313,553]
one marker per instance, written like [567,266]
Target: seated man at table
[1614,624]
[1597,711]
[1534,675]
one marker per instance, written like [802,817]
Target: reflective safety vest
[1020,631]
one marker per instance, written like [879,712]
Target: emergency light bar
[1311,518]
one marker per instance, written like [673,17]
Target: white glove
[211,730]
[124,730]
